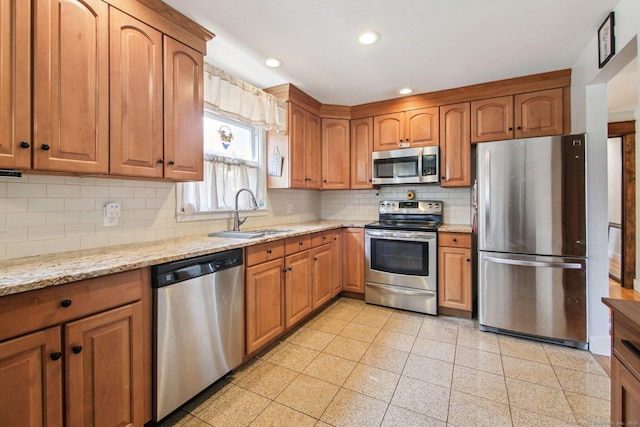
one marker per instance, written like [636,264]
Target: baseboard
[600,345]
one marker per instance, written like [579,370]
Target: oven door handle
[398,290]
[400,235]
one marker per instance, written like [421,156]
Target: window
[233,153]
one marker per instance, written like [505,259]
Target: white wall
[589,114]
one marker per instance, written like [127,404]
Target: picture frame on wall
[606,41]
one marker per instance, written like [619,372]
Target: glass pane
[227,139]
[402,257]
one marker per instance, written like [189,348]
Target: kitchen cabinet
[625,361]
[414,128]
[454,273]
[337,262]
[304,148]
[80,352]
[298,287]
[323,276]
[455,145]
[15,84]
[353,261]
[361,149]
[335,154]
[525,115]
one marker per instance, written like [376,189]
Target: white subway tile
[3,251]
[74,230]
[3,189]
[63,218]
[94,192]
[46,204]
[91,242]
[79,204]
[25,219]
[144,193]
[24,249]
[46,232]
[14,235]
[46,179]
[121,238]
[63,245]
[20,189]
[66,191]
[121,192]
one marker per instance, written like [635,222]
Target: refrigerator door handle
[568,265]
[487,193]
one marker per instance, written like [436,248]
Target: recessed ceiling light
[406,91]
[369,37]
[273,62]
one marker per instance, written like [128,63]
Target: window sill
[218,215]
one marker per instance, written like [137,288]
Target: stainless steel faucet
[236,219]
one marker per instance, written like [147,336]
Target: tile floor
[362,365]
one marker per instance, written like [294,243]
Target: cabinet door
[625,395]
[361,148]
[297,146]
[264,303]
[298,295]
[183,112]
[15,84]
[539,113]
[388,131]
[353,261]
[104,368]
[454,283]
[136,137]
[422,127]
[337,262]
[312,150]
[492,119]
[71,86]
[455,146]
[31,380]
[335,154]
[322,274]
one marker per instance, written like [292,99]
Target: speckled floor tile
[478,340]
[313,339]
[194,422]
[533,372]
[442,321]
[308,395]
[279,415]
[524,418]
[422,397]
[378,310]
[179,419]
[373,382]
[395,340]
[401,417]
[351,409]
[341,312]
[584,383]
[480,383]
[355,304]
[429,370]
[438,333]
[360,332]
[368,318]
[294,357]
[537,398]
[209,395]
[571,358]
[327,324]
[347,348]
[589,411]
[236,407]
[404,326]
[466,410]
[478,359]
[330,368]
[400,314]
[267,379]
[434,349]
[522,349]
[386,358]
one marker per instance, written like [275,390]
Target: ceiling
[427,45]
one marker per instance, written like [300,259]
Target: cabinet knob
[25,144]
[160,161]
[325,181]
[76,349]
[171,162]
[519,128]
[56,355]
[65,303]
[45,147]
[468,260]
[455,240]
[442,177]
[510,128]
[315,259]
[284,270]
[324,237]
[289,269]
[335,238]
[268,251]
[407,139]
[301,243]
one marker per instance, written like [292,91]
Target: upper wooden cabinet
[455,145]
[361,149]
[524,115]
[15,84]
[335,154]
[71,86]
[415,128]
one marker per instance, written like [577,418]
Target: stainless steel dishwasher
[198,325]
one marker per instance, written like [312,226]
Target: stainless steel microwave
[406,166]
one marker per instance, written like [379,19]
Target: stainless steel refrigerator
[532,244]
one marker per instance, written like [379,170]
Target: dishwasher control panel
[179,271]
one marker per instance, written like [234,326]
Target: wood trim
[566,109]
[621,128]
[446,311]
[289,92]
[328,111]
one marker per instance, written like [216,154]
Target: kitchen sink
[250,234]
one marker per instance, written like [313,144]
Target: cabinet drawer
[297,244]
[626,344]
[33,310]
[264,252]
[456,240]
[321,238]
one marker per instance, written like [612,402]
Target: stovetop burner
[409,215]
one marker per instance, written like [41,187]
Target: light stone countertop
[455,228]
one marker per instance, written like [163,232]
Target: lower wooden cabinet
[298,283]
[625,395]
[454,272]
[353,261]
[322,274]
[337,262]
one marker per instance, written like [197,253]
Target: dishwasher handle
[178,271]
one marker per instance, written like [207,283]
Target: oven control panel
[432,207]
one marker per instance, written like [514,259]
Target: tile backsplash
[41,214]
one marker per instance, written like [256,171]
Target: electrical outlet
[112,214]
[289,208]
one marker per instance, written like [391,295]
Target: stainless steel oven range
[401,255]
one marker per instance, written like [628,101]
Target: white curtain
[234,98]
[223,177]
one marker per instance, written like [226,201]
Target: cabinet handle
[301,243]
[56,355]
[45,147]
[289,269]
[160,161]
[171,162]
[25,144]
[76,349]
[268,251]
[65,303]
[632,347]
